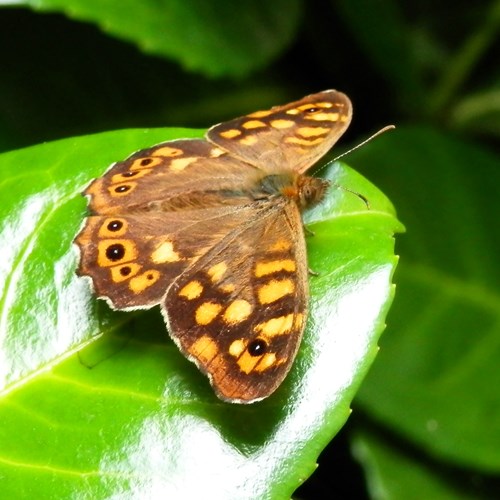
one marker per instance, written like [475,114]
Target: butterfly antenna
[364,199]
[381,131]
[359,195]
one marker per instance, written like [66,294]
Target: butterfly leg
[307,231]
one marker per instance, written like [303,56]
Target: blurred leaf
[381,30]
[478,113]
[458,68]
[392,474]
[217,38]
[127,414]
[436,376]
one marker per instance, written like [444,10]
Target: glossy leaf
[102,403]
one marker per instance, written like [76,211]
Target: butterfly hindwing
[239,312]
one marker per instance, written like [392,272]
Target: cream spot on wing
[165,252]
[207,312]
[282,123]
[181,163]
[275,290]
[217,271]
[192,290]
[216,152]
[293,111]
[237,347]
[238,311]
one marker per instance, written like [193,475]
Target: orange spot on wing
[192,290]
[265,268]
[139,283]
[207,312]
[230,134]
[275,290]
[205,349]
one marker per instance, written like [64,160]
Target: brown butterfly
[211,230]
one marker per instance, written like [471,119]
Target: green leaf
[393,474]
[435,381]
[478,113]
[381,30]
[217,38]
[102,403]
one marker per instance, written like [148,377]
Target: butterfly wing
[133,258]
[150,214]
[239,311]
[170,176]
[293,136]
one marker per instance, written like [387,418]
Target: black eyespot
[125,270]
[129,174]
[257,347]
[311,110]
[115,225]
[149,276]
[146,161]
[122,189]
[115,251]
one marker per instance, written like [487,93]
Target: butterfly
[211,230]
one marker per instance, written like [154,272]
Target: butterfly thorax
[305,190]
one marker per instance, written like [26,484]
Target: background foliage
[425,421]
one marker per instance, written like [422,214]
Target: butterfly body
[211,230]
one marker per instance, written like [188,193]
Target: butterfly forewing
[171,176]
[239,312]
[293,136]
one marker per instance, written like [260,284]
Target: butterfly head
[310,190]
